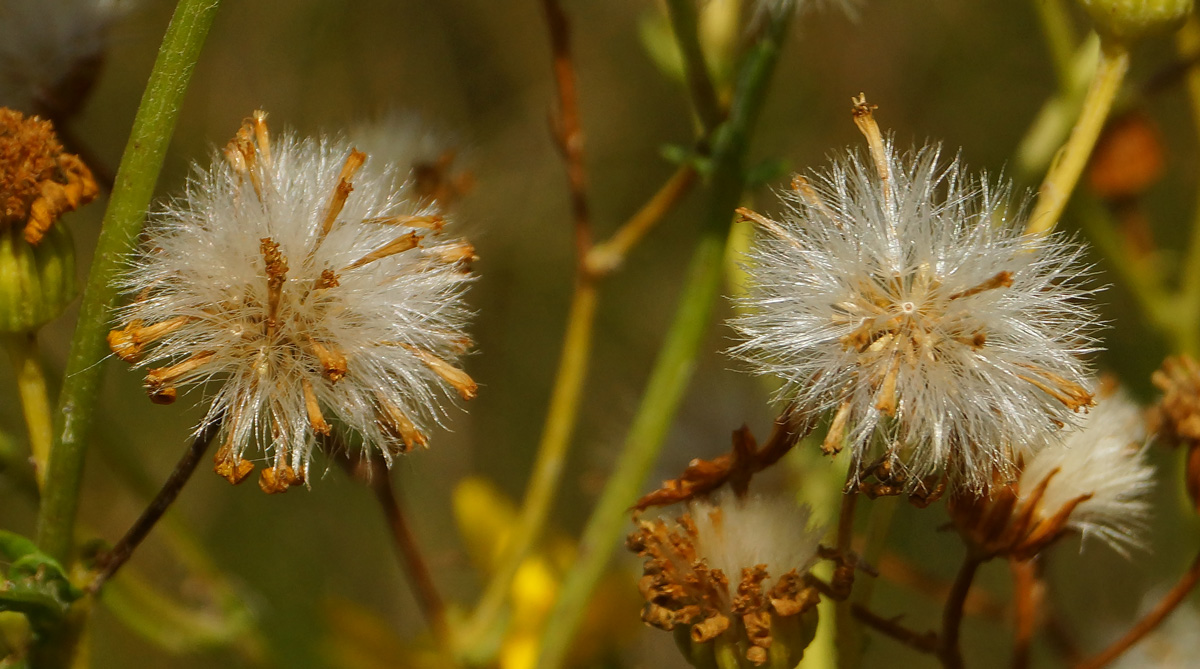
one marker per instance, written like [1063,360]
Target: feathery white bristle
[737,533]
[1105,458]
[863,277]
[202,259]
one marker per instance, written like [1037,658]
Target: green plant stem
[1188,47]
[1143,282]
[849,633]
[687,35]
[136,178]
[1064,173]
[561,418]
[1052,125]
[35,398]
[14,467]
[1060,36]
[676,360]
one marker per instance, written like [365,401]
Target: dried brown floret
[39,182]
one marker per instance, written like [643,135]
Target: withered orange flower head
[39,182]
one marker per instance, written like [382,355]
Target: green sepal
[37,282]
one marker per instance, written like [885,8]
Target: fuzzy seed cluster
[899,296]
[307,295]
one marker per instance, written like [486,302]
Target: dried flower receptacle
[732,571]
[312,293]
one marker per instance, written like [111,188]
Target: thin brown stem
[568,130]
[949,648]
[119,554]
[900,571]
[925,642]
[845,528]
[1150,621]
[1028,595]
[608,255]
[374,473]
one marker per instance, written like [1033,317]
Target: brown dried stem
[568,130]
[373,473]
[925,642]
[901,572]
[119,554]
[949,649]
[1028,595]
[1151,620]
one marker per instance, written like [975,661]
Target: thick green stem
[676,360]
[136,179]
[35,398]
[1064,173]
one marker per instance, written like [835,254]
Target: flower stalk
[1065,171]
[673,368]
[136,178]
[35,398]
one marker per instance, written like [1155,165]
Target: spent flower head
[424,156]
[1093,482]
[901,295]
[301,287]
[734,569]
[51,52]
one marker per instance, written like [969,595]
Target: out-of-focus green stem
[695,67]
[1052,124]
[849,631]
[14,467]
[552,454]
[136,178]
[1064,173]
[1144,282]
[35,398]
[1188,47]
[676,360]
[1060,36]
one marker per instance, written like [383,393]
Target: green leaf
[35,584]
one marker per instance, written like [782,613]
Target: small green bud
[36,282]
[1127,20]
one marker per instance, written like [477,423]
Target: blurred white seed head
[51,52]
[734,566]
[901,295]
[427,160]
[1174,644]
[306,295]
[1101,469]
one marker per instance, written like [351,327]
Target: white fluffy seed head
[50,51]
[734,533]
[916,311]
[298,321]
[1105,458]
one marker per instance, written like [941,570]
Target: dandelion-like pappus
[311,295]
[1094,482]
[902,296]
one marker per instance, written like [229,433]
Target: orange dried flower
[39,182]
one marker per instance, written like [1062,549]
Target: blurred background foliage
[313,569]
